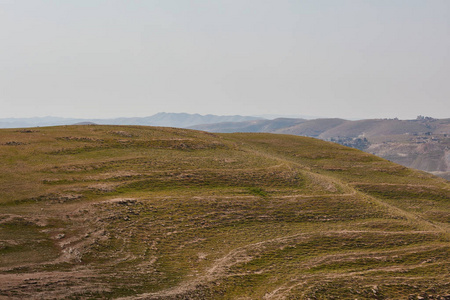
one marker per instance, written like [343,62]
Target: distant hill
[250,126]
[181,120]
[386,127]
[38,121]
[85,123]
[423,143]
[140,212]
[328,128]
[313,128]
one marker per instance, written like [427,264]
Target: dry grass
[163,213]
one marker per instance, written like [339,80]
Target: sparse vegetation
[421,144]
[164,213]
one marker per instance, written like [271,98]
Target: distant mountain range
[182,120]
[422,144]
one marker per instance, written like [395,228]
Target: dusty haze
[362,59]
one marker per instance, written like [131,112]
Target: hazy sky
[92,58]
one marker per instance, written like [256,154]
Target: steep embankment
[163,213]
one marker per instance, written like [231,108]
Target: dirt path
[240,255]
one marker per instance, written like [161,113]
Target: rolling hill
[133,212]
[334,127]
[422,144]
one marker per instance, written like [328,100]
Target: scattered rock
[79,139]
[60,236]
[14,143]
[122,133]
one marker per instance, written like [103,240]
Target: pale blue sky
[350,59]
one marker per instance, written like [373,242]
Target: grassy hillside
[421,144]
[161,213]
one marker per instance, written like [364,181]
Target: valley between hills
[135,212]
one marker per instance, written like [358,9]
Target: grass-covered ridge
[164,213]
